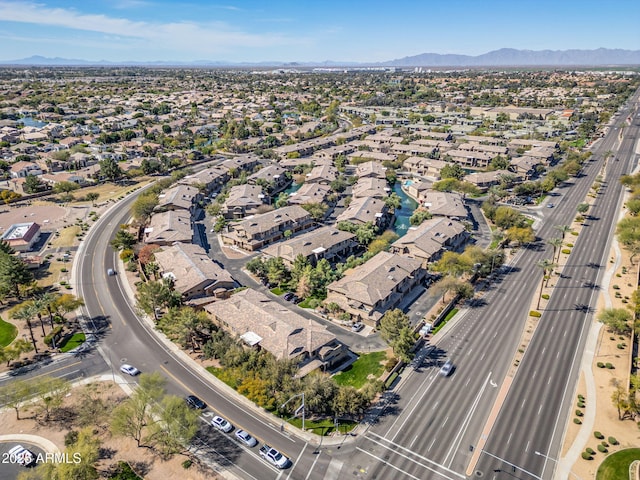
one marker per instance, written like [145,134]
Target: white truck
[273,456]
[21,455]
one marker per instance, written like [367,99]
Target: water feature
[32,122]
[401,224]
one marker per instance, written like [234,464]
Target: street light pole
[556,462]
[301,407]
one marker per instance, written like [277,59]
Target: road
[432,423]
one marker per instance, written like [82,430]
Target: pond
[32,122]
[401,224]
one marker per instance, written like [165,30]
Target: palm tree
[46,301]
[556,243]
[26,312]
[564,229]
[547,266]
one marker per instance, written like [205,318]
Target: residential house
[180,197]
[322,174]
[371,170]
[192,272]
[370,187]
[444,204]
[477,160]
[325,242]
[21,169]
[271,177]
[166,228]
[310,193]
[243,200]
[262,323]
[485,180]
[425,167]
[366,209]
[213,178]
[380,284]
[241,163]
[429,240]
[364,155]
[258,231]
[53,178]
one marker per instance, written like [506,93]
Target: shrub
[598,435]
[534,313]
[590,451]
[600,365]
[586,456]
[70,438]
[54,333]
[570,245]
[577,421]
[579,413]
[621,346]
[580,404]
[603,443]
[566,251]
[187,464]
[580,397]
[616,287]
[545,296]
[602,448]
[575,234]
[612,440]
[609,366]
[390,364]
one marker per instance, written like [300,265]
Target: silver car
[245,438]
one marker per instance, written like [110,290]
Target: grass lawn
[277,291]
[8,332]
[322,427]
[616,465]
[356,374]
[446,319]
[67,237]
[72,342]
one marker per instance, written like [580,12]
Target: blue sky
[306,30]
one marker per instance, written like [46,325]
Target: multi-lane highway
[431,428]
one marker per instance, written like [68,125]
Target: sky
[307,30]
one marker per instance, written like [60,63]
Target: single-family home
[243,200]
[166,228]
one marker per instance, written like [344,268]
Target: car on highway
[549,205]
[21,455]
[446,369]
[246,438]
[129,369]
[111,272]
[195,402]
[356,327]
[221,424]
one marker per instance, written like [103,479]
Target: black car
[288,296]
[195,402]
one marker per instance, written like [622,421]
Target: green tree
[84,453]
[174,426]
[391,323]
[403,345]
[393,201]
[419,215]
[123,240]
[65,187]
[365,233]
[520,235]
[51,392]
[547,267]
[154,295]
[32,184]
[617,320]
[143,206]
[110,170]
[14,394]
[316,210]
[455,264]
[13,275]
[92,197]
[556,243]
[186,326]
[563,229]
[452,170]
[26,312]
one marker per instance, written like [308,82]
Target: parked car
[129,369]
[195,402]
[245,438]
[21,455]
[288,296]
[221,424]
[356,327]
[447,368]
[273,456]
[549,205]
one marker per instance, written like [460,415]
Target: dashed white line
[445,421]
[509,439]
[526,450]
[523,402]
[539,409]
[431,444]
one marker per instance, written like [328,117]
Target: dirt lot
[114,448]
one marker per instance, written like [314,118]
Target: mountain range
[497,58]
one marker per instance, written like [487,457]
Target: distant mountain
[513,57]
[496,58]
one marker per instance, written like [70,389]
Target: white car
[21,455]
[129,369]
[447,368]
[221,424]
[245,438]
